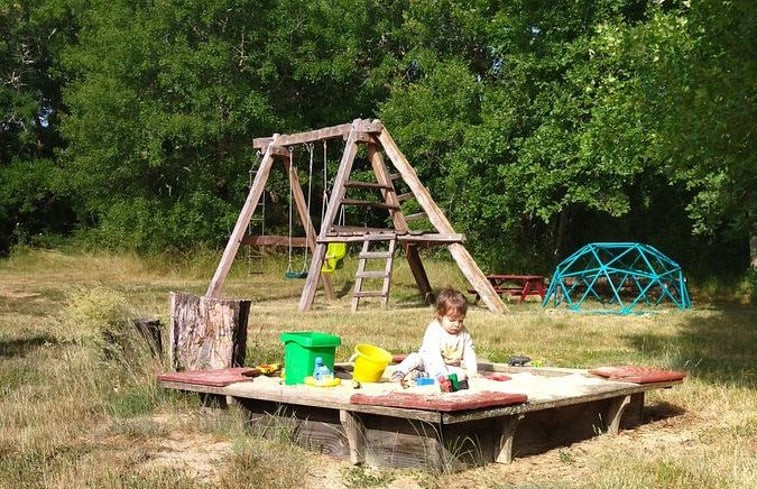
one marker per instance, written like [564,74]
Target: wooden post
[464,261]
[400,224]
[503,446]
[150,330]
[304,212]
[615,413]
[207,333]
[256,190]
[354,430]
[345,167]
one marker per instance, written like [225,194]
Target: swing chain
[311,150]
[291,196]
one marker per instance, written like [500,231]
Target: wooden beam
[366,203]
[358,230]
[240,228]
[615,413]
[372,185]
[304,213]
[387,188]
[419,272]
[432,238]
[503,447]
[365,137]
[354,430]
[305,137]
[418,216]
[345,167]
[465,262]
[342,130]
[356,238]
[272,240]
[400,224]
[279,151]
[373,126]
[410,177]
[476,278]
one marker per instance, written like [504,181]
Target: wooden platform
[562,406]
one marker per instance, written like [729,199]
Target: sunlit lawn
[72,415]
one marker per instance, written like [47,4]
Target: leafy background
[537,126]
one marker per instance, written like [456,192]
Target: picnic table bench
[515,285]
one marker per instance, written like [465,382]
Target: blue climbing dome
[619,274]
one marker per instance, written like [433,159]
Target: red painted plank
[445,402]
[214,378]
[498,377]
[638,375]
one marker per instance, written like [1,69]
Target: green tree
[32,35]
[166,96]
[582,112]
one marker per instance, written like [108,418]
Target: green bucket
[301,348]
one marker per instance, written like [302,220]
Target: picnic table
[515,285]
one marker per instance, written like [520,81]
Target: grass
[79,405]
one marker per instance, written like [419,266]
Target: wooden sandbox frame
[325,420]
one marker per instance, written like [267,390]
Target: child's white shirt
[441,349]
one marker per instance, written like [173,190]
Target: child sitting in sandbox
[447,345]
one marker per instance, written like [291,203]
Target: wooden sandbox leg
[213,401]
[354,429]
[506,426]
[631,405]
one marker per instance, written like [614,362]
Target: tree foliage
[33,35]
[536,125]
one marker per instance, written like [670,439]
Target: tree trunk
[207,333]
[561,229]
[753,247]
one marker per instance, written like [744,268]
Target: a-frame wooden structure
[376,138]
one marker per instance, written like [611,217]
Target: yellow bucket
[370,362]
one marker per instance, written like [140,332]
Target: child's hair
[450,300]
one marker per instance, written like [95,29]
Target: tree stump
[207,333]
[149,328]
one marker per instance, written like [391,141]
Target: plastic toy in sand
[322,375]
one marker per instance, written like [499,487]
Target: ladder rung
[368,293]
[358,184]
[406,196]
[270,240]
[347,238]
[432,238]
[375,254]
[416,217]
[395,176]
[360,230]
[365,203]
[372,274]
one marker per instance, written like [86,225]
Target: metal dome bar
[635,268]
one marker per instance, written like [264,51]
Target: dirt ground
[201,456]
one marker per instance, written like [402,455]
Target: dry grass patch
[79,405]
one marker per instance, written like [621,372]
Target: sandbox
[529,410]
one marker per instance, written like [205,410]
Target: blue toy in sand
[321,372]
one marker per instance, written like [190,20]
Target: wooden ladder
[385,274]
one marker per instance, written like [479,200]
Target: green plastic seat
[295,274]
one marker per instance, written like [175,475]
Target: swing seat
[334,258]
[294,274]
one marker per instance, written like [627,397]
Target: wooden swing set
[328,245]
